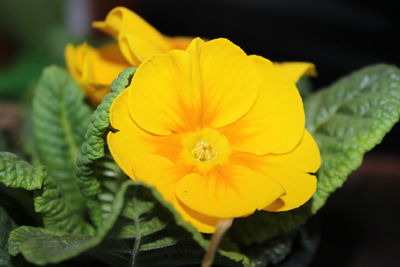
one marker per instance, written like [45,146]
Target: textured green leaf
[347,119]
[148,228]
[42,246]
[271,252]
[91,162]
[17,173]
[60,118]
[6,225]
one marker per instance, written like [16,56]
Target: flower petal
[159,172]
[74,58]
[294,172]
[227,80]
[161,97]
[299,186]
[291,170]
[305,156]
[122,22]
[130,141]
[179,42]
[203,223]
[213,84]
[293,71]
[228,192]
[276,122]
[95,69]
[104,64]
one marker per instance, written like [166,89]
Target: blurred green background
[32,35]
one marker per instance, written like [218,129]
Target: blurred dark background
[360,223]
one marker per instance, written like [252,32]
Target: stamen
[204,151]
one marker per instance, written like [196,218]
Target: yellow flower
[94,69]
[219,133]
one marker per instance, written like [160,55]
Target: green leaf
[43,246]
[305,87]
[347,119]
[148,228]
[60,118]
[17,173]
[271,252]
[6,225]
[91,163]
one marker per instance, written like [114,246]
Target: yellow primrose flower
[94,69]
[219,133]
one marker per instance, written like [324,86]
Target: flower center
[205,149]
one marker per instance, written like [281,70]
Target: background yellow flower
[95,68]
[219,133]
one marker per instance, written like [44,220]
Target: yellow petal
[203,223]
[74,58]
[95,69]
[163,175]
[228,192]
[104,64]
[227,80]
[130,141]
[212,84]
[276,122]
[299,187]
[123,24]
[179,42]
[291,170]
[161,97]
[293,71]
[159,172]
[305,156]
[136,49]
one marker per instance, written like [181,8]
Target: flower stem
[216,238]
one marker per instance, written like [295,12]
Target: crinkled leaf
[60,118]
[17,173]
[6,225]
[43,246]
[148,227]
[347,119]
[91,163]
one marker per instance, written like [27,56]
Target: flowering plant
[191,137]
